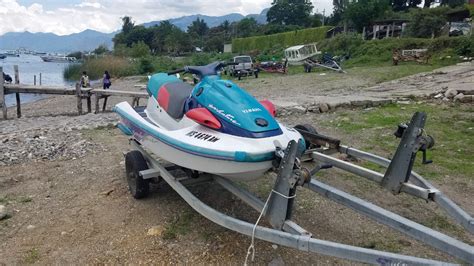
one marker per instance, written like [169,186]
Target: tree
[197,31]
[337,14]
[139,49]
[452,3]
[317,20]
[127,24]
[427,3]
[427,22]
[363,12]
[178,42]
[102,49]
[198,27]
[290,12]
[246,27]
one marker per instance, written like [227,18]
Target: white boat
[296,55]
[12,53]
[58,58]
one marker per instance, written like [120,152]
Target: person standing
[106,80]
[85,80]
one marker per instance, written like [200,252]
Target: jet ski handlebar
[207,70]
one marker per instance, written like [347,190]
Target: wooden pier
[77,91]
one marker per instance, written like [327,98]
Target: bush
[379,51]
[145,66]
[285,39]
[95,67]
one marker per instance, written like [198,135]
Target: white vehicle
[245,67]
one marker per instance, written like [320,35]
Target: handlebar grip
[176,71]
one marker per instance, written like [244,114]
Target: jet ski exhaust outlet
[277,210]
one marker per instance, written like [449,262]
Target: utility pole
[324,16]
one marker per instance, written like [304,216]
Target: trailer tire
[310,129]
[256,74]
[134,163]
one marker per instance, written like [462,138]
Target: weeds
[181,225]
[32,256]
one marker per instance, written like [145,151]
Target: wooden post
[89,104]
[17,95]
[387,32]
[96,103]
[393,29]
[373,31]
[2,95]
[40,81]
[363,33]
[105,103]
[79,99]
[34,80]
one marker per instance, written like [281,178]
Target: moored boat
[58,59]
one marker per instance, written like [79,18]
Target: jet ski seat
[172,97]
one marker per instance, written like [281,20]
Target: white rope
[251,249]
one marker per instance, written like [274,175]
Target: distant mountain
[50,42]
[89,39]
[211,21]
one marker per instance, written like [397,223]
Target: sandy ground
[76,209]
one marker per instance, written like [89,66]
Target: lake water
[29,66]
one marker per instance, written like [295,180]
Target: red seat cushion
[163,98]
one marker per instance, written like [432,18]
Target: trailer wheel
[134,163]
[310,129]
[256,74]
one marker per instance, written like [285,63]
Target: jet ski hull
[199,148]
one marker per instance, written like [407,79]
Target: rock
[3,212]
[437,96]
[364,103]
[156,230]
[381,102]
[313,108]
[450,93]
[323,107]
[278,261]
[274,246]
[458,97]
[30,227]
[467,99]
[299,109]
[445,99]
[403,102]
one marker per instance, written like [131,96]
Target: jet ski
[213,127]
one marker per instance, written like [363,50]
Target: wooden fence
[78,91]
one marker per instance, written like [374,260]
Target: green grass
[10,199]
[32,256]
[450,126]
[181,225]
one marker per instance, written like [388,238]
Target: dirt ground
[77,210]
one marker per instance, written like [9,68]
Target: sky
[64,17]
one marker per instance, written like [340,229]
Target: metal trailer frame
[310,63]
[277,209]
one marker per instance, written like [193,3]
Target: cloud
[104,15]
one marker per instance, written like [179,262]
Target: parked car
[245,67]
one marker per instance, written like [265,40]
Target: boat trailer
[326,61]
[398,178]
